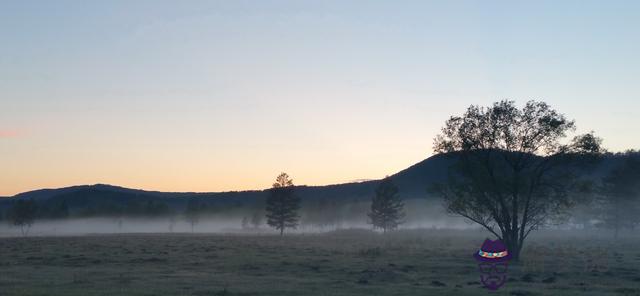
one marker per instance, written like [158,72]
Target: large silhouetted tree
[621,196]
[282,204]
[387,209]
[514,174]
[23,214]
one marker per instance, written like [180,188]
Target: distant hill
[412,182]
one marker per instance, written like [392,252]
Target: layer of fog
[112,226]
[419,214]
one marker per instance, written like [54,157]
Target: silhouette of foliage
[514,174]
[387,209]
[282,204]
[23,213]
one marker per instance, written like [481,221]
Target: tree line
[281,210]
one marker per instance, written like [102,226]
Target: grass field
[350,262]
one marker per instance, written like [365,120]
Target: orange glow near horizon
[177,169]
[175,180]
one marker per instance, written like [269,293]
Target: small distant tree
[282,204]
[621,196]
[23,214]
[256,220]
[192,212]
[387,209]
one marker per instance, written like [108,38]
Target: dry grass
[426,262]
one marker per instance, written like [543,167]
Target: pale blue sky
[221,95]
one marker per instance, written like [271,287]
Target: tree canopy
[514,172]
[23,213]
[387,209]
[282,204]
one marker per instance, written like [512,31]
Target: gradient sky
[224,95]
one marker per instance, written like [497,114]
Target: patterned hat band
[492,255]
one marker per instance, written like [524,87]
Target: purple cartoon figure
[493,259]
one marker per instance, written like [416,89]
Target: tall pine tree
[387,209]
[282,204]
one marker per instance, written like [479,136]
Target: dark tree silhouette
[514,175]
[192,212]
[387,209]
[23,214]
[621,196]
[282,204]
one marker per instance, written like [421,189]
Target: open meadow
[347,262]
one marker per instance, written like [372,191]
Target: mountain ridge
[412,182]
[410,172]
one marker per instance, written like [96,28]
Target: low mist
[419,214]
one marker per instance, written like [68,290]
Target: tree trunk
[515,254]
[512,242]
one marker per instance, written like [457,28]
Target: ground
[349,262]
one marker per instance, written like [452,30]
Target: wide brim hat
[493,251]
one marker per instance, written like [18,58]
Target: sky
[225,95]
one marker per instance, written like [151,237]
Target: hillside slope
[413,183]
